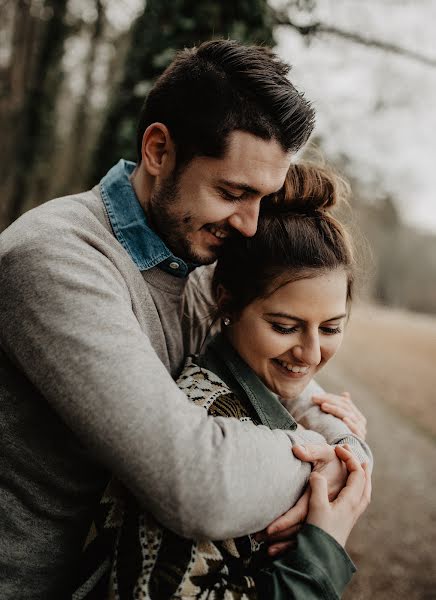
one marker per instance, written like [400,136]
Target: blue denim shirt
[130,226]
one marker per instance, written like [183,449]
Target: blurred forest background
[74,74]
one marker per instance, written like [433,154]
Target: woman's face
[289,336]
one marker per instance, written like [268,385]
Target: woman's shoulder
[201,385]
[206,389]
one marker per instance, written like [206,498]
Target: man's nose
[245,218]
[308,350]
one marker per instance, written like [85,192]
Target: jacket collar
[221,358]
[130,226]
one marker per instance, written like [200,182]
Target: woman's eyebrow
[335,318]
[294,318]
[284,316]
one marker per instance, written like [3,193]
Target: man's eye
[232,197]
[283,330]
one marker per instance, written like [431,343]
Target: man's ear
[158,150]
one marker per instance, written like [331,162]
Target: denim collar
[130,226]
[222,359]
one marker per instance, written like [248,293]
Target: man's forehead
[253,162]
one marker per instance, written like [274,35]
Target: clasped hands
[339,491]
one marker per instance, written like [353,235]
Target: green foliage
[163,28]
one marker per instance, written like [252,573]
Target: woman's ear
[158,150]
[223,299]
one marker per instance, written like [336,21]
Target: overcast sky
[376,108]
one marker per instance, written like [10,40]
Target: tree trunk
[24,41]
[34,114]
[82,137]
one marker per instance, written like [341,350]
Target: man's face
[214,197]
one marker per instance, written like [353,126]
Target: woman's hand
[343,408]
[338,517]
[280,533]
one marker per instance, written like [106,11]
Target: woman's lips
[287,372]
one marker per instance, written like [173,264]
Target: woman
[283,298]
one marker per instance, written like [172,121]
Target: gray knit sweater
[88,348]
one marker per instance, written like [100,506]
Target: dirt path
[394,544]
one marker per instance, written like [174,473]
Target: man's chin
[205,257]
[196,253]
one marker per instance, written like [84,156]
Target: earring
[226,321]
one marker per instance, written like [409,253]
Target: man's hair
[221,86]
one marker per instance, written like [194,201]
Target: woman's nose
[308,350]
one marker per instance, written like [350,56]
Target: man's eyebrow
[294,318]
[240,186]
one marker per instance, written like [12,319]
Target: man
[100,303]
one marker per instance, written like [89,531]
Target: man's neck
[142,183]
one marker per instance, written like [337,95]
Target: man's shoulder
[55,218]
[62,242]
[57,228]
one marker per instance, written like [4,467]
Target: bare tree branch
[317,28]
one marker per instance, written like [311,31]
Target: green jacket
[317,567]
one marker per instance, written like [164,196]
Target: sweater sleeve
[334,430]
[318,568]
[67,323]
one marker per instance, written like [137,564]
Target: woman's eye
[331,330]
[283,330]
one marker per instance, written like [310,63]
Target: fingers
[355,486]
[343,408]
[344,453]
[318,492]
[343,401]
[357,428]
[280,548]
[313,452]
[368,487]
[282,535]
[292,518]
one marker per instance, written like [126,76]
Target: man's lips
[218,232]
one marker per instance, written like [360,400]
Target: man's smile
[217,231]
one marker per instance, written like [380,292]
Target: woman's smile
[289,370]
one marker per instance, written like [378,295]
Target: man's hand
[324,461]
[344,408]
[338,518]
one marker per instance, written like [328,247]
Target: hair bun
[310,188]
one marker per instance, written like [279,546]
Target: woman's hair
[297,238]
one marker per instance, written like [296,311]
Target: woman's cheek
[331,347]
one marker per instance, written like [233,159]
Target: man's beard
[173,226]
